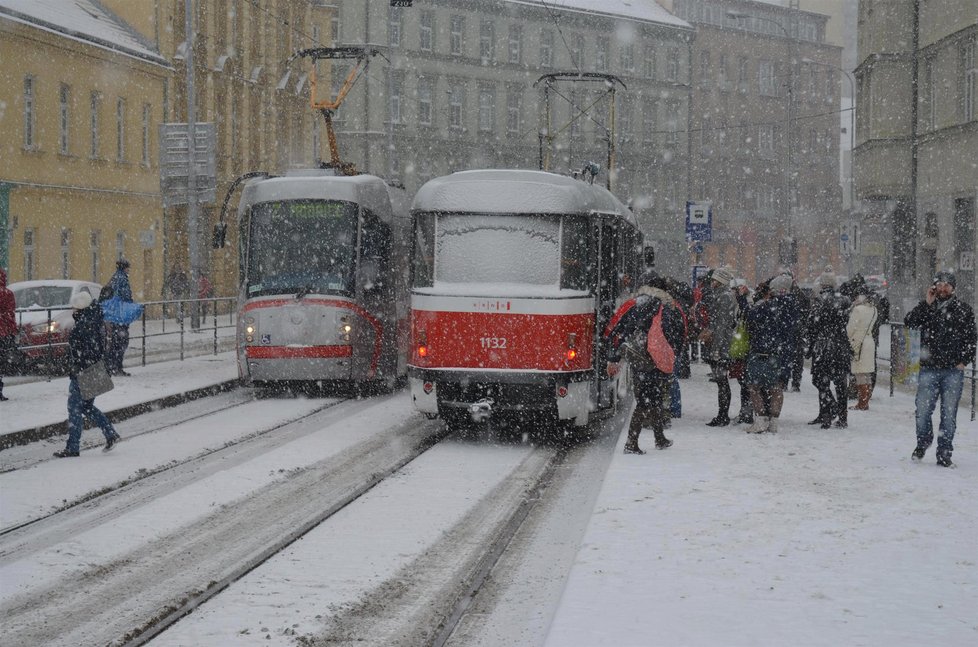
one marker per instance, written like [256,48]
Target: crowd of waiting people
[762,337]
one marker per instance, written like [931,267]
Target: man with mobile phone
[947,345]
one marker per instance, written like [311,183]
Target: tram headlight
[249,330]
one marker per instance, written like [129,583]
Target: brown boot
[862,395]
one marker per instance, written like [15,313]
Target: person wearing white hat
[85,348]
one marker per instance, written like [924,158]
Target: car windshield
[42,296]
[302,246]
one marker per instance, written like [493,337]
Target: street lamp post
[731,13]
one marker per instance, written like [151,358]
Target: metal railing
[159,319]
[901,367]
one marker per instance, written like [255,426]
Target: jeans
[947,384]
[79,409]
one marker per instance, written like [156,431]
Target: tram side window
[576,254]
[375,248]
[424,250]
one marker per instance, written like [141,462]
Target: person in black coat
[830,351]
[649,381]
[86,346]
[947,345]
[772,328]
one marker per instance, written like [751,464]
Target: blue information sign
[699,221]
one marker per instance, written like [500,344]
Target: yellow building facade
[79,179]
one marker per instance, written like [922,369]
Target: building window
[576,50]
[672,68]
[487,41]
[424,102]
[649,62]
[515,44]
[65,253]
[765,140]
[547,48]
[395,102]
[743,74]
[95,105]
[93,244]
[457,36]
[627,56]
[64,119]
[28,254]
[426,34]
[120,245]
[648,123]
[147,129]
[672,125]
[765,78]
[455,107]
[30,118]
[487,109]
[394,27]
[722,72]
[970,67]
[625,119]
[928,95]
[704,69]
[120,129]
[601,54]
[514,112]
[334,28]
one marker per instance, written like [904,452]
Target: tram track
[93,498]
[108,603]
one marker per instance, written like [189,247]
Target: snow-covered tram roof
[516,191]
[314,184]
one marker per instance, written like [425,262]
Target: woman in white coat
[862,318]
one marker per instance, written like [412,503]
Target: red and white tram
[324,279]
[515,275]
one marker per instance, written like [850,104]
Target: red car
[44,319]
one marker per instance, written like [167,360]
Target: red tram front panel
[515,334]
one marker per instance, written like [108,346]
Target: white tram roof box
[504,191]
[323,184]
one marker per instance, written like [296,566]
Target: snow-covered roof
[84,20]
[516,191]
[367,190]
[643,10]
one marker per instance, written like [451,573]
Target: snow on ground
[809,537]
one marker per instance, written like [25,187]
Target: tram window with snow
[515,274]
[324,279]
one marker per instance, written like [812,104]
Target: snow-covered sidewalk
[808,537]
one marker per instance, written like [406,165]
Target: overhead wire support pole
[193,224]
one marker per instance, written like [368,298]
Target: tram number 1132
[492,342]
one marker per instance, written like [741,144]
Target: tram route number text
[492,342]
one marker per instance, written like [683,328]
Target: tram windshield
[539,252]
[301,247]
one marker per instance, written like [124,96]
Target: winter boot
[634,429]
[720,421]
[843,421]
[944,460]
[862,394]
[661,442]
[760,425]
[746,416]
[772,425]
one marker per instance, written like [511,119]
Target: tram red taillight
[422,351]
[571,346]
[422,343]
[571,353]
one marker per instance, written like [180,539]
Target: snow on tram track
[135,577]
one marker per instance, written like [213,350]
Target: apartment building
[764,128]
[916,173]
[457,87]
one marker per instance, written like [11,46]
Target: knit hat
[723,275]
[827,280]
[780,284]
[945,277]
[81,300]
[122,264]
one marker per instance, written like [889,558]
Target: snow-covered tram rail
[516,273]
[324,294]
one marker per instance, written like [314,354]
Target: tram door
[607,295]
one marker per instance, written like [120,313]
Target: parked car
[44,319]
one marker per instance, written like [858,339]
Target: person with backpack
[652,331]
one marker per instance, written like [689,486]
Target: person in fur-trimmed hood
[650,381]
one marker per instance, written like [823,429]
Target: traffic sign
[699,221]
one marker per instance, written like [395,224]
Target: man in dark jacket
[85,348]
[650,382]
[119,333]
[947,345]
[771,328]
[830,351]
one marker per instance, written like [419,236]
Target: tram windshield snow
[302,247]
[536,251]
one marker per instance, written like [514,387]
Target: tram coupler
[481,410]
